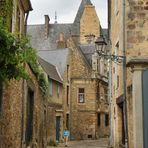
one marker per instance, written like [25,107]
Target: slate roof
[50,69]
[76,24]
[56,57]
[87,51]
[38,40]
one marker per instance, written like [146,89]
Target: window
[67,73]
[50,87]
[67,95]
[81,95]
[117,81]
[99,119]
[1,95]
[106,119]
[58,89]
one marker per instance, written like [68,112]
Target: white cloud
[66,10]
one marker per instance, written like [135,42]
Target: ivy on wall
[14,53]
[41,77]
[6,9]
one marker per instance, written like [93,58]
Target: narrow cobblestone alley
[101,143]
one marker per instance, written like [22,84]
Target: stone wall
[83,115]
[89,25]
[136,33]
[13,117]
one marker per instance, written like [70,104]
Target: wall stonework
[136,43]
[89,25]
[83,116]
[13,117]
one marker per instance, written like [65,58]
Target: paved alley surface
[101,143]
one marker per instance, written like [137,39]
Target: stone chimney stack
[47,20]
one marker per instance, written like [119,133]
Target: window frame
[106,120]
[81,94]
[58,89]
[50,87]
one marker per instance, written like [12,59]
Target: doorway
[58,119]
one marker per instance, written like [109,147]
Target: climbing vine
[6,9]
[41,76]
[14,53]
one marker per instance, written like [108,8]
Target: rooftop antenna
[55,18]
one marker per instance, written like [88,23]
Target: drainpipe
[124,76]
[110,102]
[26,18]
[23,93]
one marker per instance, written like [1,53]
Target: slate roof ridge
[81,9]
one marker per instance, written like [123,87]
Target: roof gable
[79,15]
[57,57]
[50,69]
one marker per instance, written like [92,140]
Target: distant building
[55,111]
[71,48]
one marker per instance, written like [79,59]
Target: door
[145,107]
[58,118]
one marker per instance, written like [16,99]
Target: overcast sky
[66,11]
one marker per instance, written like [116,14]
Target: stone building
[128,32]
[22,104]
[54,113]
[71,48]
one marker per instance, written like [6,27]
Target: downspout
[23,94]
[124,76]
[70,115]
[26,18]
[110,102]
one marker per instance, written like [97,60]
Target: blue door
[145,107]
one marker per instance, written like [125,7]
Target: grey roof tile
[88,50]
[56,57]
[50,69]
[39,41]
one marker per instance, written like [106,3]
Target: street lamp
[100,48]
[100,44]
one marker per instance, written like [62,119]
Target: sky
[66,11]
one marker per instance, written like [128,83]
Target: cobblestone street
[101,143]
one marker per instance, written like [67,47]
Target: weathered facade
[128,29]
[22,104]
[55,112]
[71,48]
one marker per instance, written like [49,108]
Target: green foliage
[6,8]
[40,75]
[14,52]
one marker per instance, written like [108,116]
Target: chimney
[47,19]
